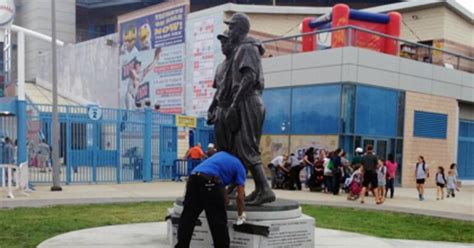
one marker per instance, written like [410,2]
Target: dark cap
[241,19]
[224,35]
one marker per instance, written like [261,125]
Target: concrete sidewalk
[154,235]
[406,199]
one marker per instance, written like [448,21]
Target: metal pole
[21,66]
[21,107]
[349,37]
[55,139]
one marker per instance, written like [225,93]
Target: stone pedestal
[288,227]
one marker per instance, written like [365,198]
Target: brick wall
[436,23]
[277,48]
[437,152]
[458,29]
[423,25]
[442,58]
[274,24]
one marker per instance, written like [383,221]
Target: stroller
[317,180]
[354,185]
[280,179]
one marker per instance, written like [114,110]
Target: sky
[468,4]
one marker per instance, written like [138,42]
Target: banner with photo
[152,60]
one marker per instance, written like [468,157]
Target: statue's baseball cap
[224,35]
[239,18]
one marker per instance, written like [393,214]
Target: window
[348,108]
[376,111]
[316,109]
[277,110]
[430,125]
[466,129]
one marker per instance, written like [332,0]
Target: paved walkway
[461,207]
[148,235]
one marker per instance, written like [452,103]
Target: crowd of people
[331,171]
[196,152]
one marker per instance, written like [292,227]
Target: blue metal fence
[120,146]
[168,150]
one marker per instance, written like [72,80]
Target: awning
[7,106]
[37,94]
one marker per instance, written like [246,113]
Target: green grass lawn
[27,227]
[392,225]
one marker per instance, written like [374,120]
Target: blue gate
[465,149]
[205,134]
[168,150]
[117,147]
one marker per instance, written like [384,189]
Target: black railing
[408,49]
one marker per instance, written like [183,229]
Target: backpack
[330,165]
[424,170]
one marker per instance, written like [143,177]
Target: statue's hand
[211,118]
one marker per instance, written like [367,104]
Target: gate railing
[120,146]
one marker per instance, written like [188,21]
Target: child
[421,174]
[354,184]
[452,183]
[440,182]
[382,180]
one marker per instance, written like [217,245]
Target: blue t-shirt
[225,166]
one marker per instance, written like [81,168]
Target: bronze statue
[222,97]
[240,111]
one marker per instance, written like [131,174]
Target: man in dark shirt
[336,171]
[205,190]
[369,164]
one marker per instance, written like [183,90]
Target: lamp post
[55,142]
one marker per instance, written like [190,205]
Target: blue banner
[152,59]
[157,30]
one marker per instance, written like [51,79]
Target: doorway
[381,146]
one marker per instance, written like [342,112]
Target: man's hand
[241,219]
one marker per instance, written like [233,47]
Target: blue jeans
[328,181]
[309,172]
[390,186]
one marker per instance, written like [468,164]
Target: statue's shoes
[262,198]
[251,197]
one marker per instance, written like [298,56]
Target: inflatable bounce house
[341,15]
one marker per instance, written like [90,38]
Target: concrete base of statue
[286,226]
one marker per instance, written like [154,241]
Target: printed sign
[95,113]
[152,60]
[205,54]
[186,121]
